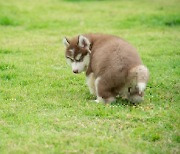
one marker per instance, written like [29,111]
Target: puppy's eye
[72,60]
[80,60]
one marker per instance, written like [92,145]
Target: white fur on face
[68,61]
[78,56]
[80,66]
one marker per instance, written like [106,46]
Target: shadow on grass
[120,102]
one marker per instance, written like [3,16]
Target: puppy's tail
[138,77]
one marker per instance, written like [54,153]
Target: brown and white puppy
[113,67]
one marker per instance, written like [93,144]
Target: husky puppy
[113,67]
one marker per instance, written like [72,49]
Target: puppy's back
[112,54]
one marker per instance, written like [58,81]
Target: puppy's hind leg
[102,92]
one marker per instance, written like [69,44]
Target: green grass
[45,108]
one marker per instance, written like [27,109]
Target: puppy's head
[77,53]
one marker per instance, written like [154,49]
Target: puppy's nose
[75,71]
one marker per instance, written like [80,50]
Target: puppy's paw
[97,101]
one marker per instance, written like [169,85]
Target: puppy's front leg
[91,83]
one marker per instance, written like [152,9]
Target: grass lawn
[45,108]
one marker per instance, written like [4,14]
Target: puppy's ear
[66,42]
[83,42]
